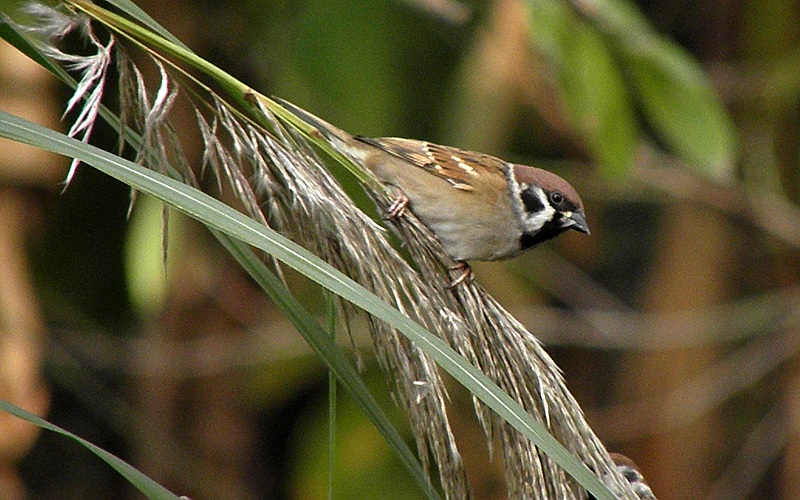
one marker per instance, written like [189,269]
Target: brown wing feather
[457,166]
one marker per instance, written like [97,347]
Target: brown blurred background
[677,324]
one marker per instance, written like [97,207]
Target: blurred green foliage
[381,67]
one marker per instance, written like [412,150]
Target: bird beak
[576,221]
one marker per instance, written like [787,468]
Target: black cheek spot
[531,202]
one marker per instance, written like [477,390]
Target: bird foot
[465,276]
[398,206]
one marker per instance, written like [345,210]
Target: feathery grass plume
[310,206]
[281,181]
[55,24]
[305,202]
[512,357]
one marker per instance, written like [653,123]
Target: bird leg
[465,276]
[398,208]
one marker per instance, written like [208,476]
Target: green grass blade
[338,363]
[332,399]
[216,214]
[147,486]
[135,12]
[330,352]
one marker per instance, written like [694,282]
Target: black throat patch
[550,230]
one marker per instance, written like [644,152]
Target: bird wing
[459,167]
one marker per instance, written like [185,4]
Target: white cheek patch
[530,222]
[534,221]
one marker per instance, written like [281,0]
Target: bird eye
[556,198]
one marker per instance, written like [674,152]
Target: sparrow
[630,471]
[478,206]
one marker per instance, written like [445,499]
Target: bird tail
[346,144]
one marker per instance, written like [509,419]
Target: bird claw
[466,274]
[398,209]
[398,206]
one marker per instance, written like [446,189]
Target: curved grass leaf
[147,486]
[223,218]
[329,351]
[144,18]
